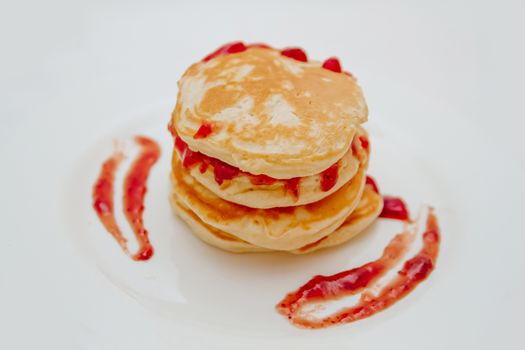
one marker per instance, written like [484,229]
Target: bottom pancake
[368,209]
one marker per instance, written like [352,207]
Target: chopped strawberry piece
[223,171]
[295,53]
[364,142]
[329,177]
[332,64]
[234,47]
[370,181]
[203,132]
[190,158]
[180,145]
[262,179]
[394,208]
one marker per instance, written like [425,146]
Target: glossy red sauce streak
[203,167]
[332,64]
[354,281]
[329,177]
[394,208]
[223,171]
[191,158]
[135,191]
[204,131]
[103,191]
[354,150]
[364,142]
[370,181]
[348,282]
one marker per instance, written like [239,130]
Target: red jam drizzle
[295,53]
[394,208]
[103,199]
[262,179]
[235,47]
[354,281]
[223,171]
[292,186]
[370,181]
[203,132]
[229,48]
[203,167]
[332,64]
[329,177]
[364,142]
[134,193]
[191,158]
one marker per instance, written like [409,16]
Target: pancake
[269,114]
[269,152]
[366,212]
[246,189]
[276,228]
[211,235]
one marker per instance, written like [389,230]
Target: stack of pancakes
[269,153]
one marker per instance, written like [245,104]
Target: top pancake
[270,114]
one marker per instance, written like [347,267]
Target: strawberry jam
[394,208]
[329,177]
[332,64]
[370,181]
[134,193]
[223,171]
[291,186]
[364,142]
[204,131]
[295,53]
[359,280]
[229,48]
[262,180]
[103,199]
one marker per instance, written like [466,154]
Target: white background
[72,70]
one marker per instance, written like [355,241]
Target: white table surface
[100,62]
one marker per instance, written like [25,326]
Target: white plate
[65,282]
